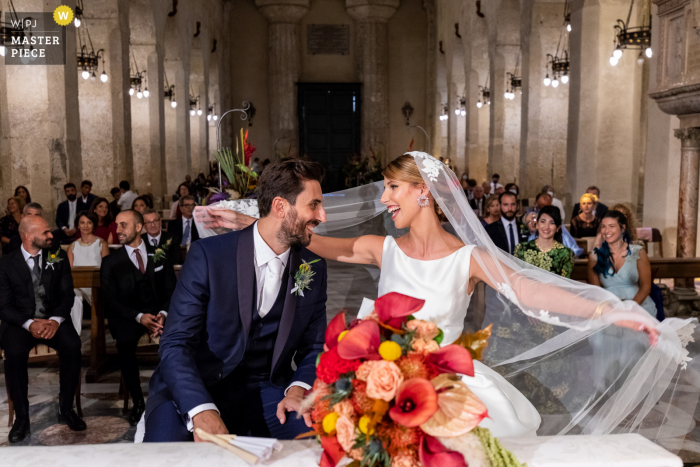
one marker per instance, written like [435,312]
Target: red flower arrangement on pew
[386,391]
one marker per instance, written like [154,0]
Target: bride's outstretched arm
[540,297]
[359,250]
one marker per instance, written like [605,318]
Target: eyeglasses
[153,222]
[188,205]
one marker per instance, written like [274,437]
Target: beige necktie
[271,286]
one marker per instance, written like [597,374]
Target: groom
[235,326]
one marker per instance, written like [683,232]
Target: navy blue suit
[209,324]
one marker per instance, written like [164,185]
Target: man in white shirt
[136,289]
[238,321]
[494,183]
[127,197]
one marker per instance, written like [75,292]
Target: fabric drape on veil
[553,338]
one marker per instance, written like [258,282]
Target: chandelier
[484,94]
[136,79]
[8,31]
[515,81]
[88,59]
[638,37]
[559,66]
[444,115]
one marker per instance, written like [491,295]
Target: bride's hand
[229,219]
[637,326]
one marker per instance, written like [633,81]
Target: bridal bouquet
[388,395]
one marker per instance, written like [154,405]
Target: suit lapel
[289,309]
[46,273]
[24,274]
[245,271]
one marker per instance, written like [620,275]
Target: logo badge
[63,15]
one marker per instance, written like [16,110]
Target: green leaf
[439,337]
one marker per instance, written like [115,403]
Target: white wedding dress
[443,284]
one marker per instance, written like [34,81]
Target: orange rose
[424,329]
[404,461]
[345,433]
[344,408]
[424,345]
[383,380]
[363,371]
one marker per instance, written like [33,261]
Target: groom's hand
[151,323]
[209,421]
[292,403]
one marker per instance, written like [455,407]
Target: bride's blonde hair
[404,169]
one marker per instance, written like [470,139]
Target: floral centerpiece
[235,165]
[388,395]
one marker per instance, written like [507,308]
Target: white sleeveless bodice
[442,283]
[87,255]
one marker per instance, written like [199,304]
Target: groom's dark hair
[285,178]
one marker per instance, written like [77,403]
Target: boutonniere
[160,252]
[53,258]
[302,278]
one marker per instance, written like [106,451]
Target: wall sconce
[250,113]
[407,111]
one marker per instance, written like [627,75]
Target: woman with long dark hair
[105,228]
[23,193]
[547,250]
[620,266]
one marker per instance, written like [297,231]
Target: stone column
[285,66]
[371,50]
[688,197]
[156,112]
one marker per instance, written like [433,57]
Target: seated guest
[487,189]
[85,201]
[127,196]
[105,228]
[619,266]
[469,191]
[142,204]
[478,200]
[547,250]
[530,219]
[586,223]
[549,189]
[182,190]
[88,249]
[508,231]
[36,297]
[31,209]
[114,208]
[492,211]
[23,193]
[136,287]
[631,222]
[65,215]
[513,188]
[155,237]
[600,208]
[9,225]
[184,231]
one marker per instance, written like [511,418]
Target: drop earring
[423,201]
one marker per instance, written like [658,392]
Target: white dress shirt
[144,257]
[127,199]
[30,263]
[263,254]
[72,207]
[516,236]
[185,221]
[152,239]
[495,186]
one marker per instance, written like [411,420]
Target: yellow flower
[329,422]
[363,425]
[390,351]
[53,256]
[342,334]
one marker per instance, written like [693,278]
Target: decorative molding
[666,6]
[690,137]
[675,91]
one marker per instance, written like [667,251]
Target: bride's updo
[404,169]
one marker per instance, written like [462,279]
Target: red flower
[248,149]
[452,359]
[335,327]
[416,402]
[332,451]
[433,454]
[362,341]
[413,366]
[393,308]
[331,366]
[402,440]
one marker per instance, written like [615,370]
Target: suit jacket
[175,231]
[63,215]
[497,232]
[474,205]
[173,252]
[600,209]
[17,302]
[121,302]
[84,206]
[210,317]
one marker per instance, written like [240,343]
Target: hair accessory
[423,201]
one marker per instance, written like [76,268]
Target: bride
[429,263]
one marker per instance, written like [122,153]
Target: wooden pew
[661,268]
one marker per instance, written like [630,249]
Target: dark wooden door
[329,127]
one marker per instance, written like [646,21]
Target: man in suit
[508,231]
[65,215]
[155,237]
[31,209]
[85,201]
[235,325]
[600,208]
[478,200]
[137,286]
[183,231]
[36,296]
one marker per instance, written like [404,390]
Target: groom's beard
[293,231]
